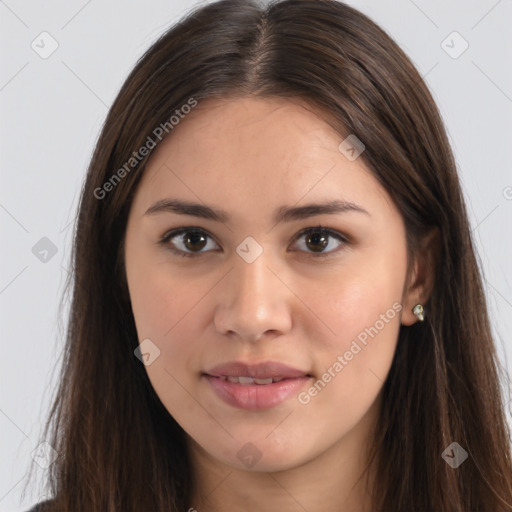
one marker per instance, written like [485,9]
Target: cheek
[168,311]
[159,301]
[362,309]
[352,369]
[365,290]
[355,298]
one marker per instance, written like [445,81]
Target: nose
[254,302]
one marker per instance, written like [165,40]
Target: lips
[250,380]
[261,371]
[256,386]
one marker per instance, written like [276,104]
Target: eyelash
[326,231]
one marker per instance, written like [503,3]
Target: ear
[420,282]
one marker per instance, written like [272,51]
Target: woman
[277,303]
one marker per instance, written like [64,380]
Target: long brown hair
[118,447]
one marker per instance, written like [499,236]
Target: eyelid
[333,233]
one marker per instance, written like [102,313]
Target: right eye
[191,237]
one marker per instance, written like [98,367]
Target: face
[319,291]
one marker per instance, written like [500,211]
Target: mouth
[259,386]
[244,380]
[259,373]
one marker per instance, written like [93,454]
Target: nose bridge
[254,299]
[252,265]
[253,277]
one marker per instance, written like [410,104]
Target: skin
[250,156]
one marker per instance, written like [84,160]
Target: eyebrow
[282,214]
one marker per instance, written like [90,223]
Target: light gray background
[51,113]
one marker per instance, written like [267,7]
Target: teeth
[264,381]
[246,380]
[250,380]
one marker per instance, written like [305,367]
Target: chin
[265,456]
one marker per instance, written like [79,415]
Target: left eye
[193,240]
[319,237]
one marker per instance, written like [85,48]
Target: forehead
[250,151]
[244,127]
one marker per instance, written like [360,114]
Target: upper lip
[264,370]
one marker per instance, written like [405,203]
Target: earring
[419,312]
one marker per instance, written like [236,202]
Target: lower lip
[256,396]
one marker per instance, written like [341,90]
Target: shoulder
[42,506]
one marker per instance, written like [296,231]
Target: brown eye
[194,241]
[186,241]
[319,241]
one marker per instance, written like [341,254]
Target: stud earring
[419,312]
